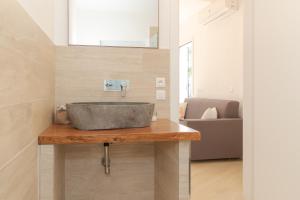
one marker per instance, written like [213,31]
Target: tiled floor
[217,180]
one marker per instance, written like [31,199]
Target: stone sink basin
[110,115]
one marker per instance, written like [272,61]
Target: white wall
[218,56]
[272,97]
[174,54]
[248,71]
[42,12]
[61,24]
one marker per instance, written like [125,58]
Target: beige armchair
[221,138]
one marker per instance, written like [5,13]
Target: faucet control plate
[115,85]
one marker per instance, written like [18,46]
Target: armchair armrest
[221,138]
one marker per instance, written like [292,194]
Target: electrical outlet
[160,94]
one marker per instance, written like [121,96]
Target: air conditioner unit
[218,9]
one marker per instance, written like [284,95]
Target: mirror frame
[158,37]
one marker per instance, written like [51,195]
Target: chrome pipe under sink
[106,159]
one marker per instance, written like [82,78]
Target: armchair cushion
[210,113]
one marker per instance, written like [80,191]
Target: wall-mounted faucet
[108,84]
[116,86]
[123,89]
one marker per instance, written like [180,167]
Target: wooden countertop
[162,130]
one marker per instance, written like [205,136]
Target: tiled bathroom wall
[26,99]
[80,75]
[81,71]
[27,70]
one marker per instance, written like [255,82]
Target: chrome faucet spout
[123,89]
[116,86]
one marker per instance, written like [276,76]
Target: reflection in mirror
[124,23]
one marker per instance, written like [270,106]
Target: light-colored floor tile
[217,180]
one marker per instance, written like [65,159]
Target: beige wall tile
[132,172]
[26,99]
[172,170]
[20,124]
[148,171]
[15,130]
[59,172]
[46,172]
[80,72]
[184,170]
[42,115]
[18,180]
[51,172]
[26,57]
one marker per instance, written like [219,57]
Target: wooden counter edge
[44,140]
[47,139]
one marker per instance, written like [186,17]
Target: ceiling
[191,7]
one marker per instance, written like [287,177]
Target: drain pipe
[106,159]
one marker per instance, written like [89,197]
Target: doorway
[185,71]
[213,70]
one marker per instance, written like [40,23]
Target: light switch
[160,82]
[160,94]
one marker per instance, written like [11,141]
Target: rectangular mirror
[115,23]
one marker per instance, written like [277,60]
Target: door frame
[248,101]
[248,87]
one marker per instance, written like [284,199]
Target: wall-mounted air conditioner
[218,9]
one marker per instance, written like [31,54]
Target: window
[186,72]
